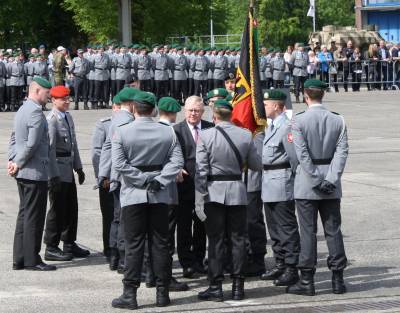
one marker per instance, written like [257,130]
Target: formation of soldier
[207,180]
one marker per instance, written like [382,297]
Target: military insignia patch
[290,137]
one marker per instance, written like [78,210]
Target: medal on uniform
[290,137]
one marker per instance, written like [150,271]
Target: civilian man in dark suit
[191,244]
[384,58]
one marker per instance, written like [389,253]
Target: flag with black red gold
[248,106]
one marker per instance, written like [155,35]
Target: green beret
[116,99]
[238,49]
[315,84]
[275,95]
[300,44]
[271,50]
[145,97]
[219,92]
[178,48]
[42,82]
[169,104]
[223,103]
[229,98]
[127,94]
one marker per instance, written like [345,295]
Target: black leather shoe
[275,272]
[189,272]
[127,300]
[288,278]
[121,268]
[56,254]
[76,106]
[162,297]
[85,106]
[41,267]
[177,286]
[75,250]
[338,286]
[305,286]
[212,293]
[297,100]
[17,267]
[114,259]
[238,289]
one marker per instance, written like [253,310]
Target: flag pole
[315,13]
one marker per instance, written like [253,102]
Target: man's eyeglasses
[194,111]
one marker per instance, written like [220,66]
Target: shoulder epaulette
[300,113]
[106,119]
[50,116]
[123,124]
[335,113]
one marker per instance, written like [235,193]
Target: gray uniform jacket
[263,66]
[90,58]
[106,167]
[29,144]
[211,59]
[28,71]
[214,156]
[64,153]
[254,178]
[15,73]
[40,69]
[200,67]
[3,74]
[191,58]
[123,65]
[79,67]
[145,143]
[268,68]
[278,68]
[113,58]
[181,65]
[221,67]
[101,64]
[300,62]
[99,137]
[319,134]
[143,67]
[278,149]
[161,63]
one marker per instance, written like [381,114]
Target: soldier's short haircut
[143,108]
[223,114]
[314,94]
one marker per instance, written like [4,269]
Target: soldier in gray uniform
[300,62]
[99,137]
[28,156]
[113,56]
[200,67]
[180,68]
[320,140]
[102,65]
[278,69]
[29,69]
[80,67]
[62,217]
[221,154]
[16,75]
[279,164]
[268,68]
[148,157]
[40,67]
[3,76]
[143,68]
[109,177]
[89,55]
[263,67]
[190,55]
[123,65]
[161,63]
[220,69]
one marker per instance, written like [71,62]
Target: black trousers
[298,85]
[279,84]
[2,97]
[16,93]
[172,218]
[30,222]
[101,91]
[80,87]
[119,84]
[90,90]
[230,220]
[382,75]
[191,86]
[255,225]
[151,221]
[180,90]
[145,85]
[62,217]
[329,210]
[113,88]
[269,83]
[200,88]
[107,213]
[218,83]
[283,230]
[191,235]
[117,227]
[161,88]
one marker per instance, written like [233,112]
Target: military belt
[322,161]
[142,68]
[300,67]
[200,71]
[99,68]
[123,67]
[16,75]
[161,69]
[149,168]
[271,167]
[224,177]
[219,68]
[63,154]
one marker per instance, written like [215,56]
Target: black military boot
[56,254]
[94,106]
[85,106]
[275,272]
[75,250]
[338,286]
[297,99]
[305,286]
[76,106]
[212,293]
[162,297]
[238,289]
[288,278]
[114,259]
[176,285]
[127,300]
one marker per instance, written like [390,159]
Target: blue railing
[375,3]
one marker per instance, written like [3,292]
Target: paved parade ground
[371,229]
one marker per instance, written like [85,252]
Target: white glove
[199,206]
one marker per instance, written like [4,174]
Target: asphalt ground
[371,228]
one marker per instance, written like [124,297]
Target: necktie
[196,134]
[271,127]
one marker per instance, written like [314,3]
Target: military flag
[248,106]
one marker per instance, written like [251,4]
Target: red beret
[59,92]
